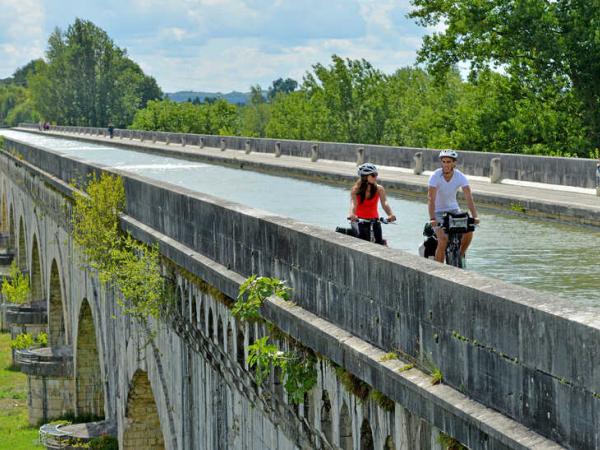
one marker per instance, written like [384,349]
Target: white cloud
[21,33]
[222,44]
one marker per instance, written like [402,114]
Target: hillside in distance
[233,97]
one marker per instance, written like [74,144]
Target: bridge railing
[579,172]
[529,355]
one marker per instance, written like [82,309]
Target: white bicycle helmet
[448,153]
[366,169]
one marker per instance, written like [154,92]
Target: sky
[221,45]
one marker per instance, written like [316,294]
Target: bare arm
[431,194]
[470,202]
[353,204]
[385,205]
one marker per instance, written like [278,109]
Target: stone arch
[179,300]
[142,422]
[326,424]
[4,212]
[229,339]
[11,230]
[22,250]
[89,393]
[194,310]
[211,324]
[220,337]
[240,348]
[389,444]
[345,428]
[35,275]
[202,323]
[366,436]
[56,321]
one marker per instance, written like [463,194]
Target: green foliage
[352,383]
[298,373]
[449,443]
[436,376]
[22,341]
[15,431]
[386,403]
[89,81]
[253,293]
[132,267]
[389,356]
[218,117]
[26,340]
[542,46]
[15,287]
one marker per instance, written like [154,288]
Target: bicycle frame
[455,225]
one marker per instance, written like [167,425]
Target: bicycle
[455,225]
[355,232]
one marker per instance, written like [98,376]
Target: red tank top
[368,208]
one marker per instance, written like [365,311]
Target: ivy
[129,265]
[15,287]
[253,292]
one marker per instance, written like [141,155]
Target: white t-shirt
[445,199]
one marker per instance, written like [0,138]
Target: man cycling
[444,183]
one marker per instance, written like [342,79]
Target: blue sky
[221,45]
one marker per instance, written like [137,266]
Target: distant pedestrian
[46,126]
[111,130]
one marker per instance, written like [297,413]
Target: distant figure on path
[111,130]
[46,126]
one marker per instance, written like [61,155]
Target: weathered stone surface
[428,311]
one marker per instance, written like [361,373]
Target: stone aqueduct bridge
[521,370]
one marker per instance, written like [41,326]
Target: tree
[536,42]
[87,80]
[281,86]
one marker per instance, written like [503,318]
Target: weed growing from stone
[298,372]
[129,265]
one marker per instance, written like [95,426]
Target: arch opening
[11,230]
[142,424]
[56,322]
[326,425]
[22,250]
[89,392]
[345,428]
[37,292]
[366,436]
[220,337]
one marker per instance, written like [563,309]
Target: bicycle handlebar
[383,220]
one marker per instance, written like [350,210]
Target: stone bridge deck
[565,203]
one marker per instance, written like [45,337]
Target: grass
[15,431]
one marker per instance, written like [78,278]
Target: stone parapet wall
[580,172]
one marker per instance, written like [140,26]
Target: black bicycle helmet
[366,169]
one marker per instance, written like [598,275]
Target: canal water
[543,255]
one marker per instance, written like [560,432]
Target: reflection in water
[543,255]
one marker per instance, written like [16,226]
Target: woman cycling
[365,195]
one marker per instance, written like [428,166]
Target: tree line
[351,101]
[84,80]
[532,87]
